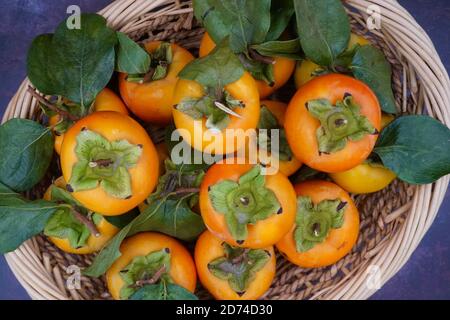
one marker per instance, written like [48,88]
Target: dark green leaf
[324,29]
[370,66]
[259,70]
[131,58]
[124,219]
[83,59]
[244,22]
[172,217]
[108,254]
[38,64]
[281,12]
[416,148]
[21,219]
[163,291]
[290,49]
[216,70]
[27,149]
[306,173]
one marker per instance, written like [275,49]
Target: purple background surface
[425,276]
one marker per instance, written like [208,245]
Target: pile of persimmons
[315,100]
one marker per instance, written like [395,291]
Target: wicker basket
[393,221]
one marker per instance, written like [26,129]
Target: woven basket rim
[428,79]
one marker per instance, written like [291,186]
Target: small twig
[87,222]
[259,57]
[186,190]
[180,191]
[54,108]
[158,274]
[149,75]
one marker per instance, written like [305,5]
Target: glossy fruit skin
[59,137]
[262,234]
[152,101]
[106,100]
[278,109]
[192,131]
[144,175]
[339,241]
[364,178]
[182,267]
[305,68]
[283,68]
[301,127]
[93,244]
[209,248]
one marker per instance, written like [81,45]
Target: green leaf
[131,58]
[416,148]
[83,59]
[259,70]
[173,217]
[324,29]
[281,12]
[370,66]
[170,208]
[245,202]
[216,70]
[244,22]
[74,63]
[289,49]
[27,150]
[124,219]
[109,253]
[163,291]
[38,64]
[21,219]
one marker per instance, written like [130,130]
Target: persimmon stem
[51,106]
[86,221]
[259,57]
[158,274]
[186,190]
[100,163]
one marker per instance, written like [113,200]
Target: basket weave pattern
[393,221]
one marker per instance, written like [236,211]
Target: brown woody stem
[100,163]
[87,222]
[158,274]
[51,106]
[259,57]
